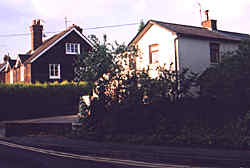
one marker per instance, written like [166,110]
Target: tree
[103,59]
[141,26]
[229,81]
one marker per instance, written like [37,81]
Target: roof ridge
[49,39]
[178,24]
[225,31]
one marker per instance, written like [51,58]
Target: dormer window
[72,48]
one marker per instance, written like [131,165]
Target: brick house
[49,60]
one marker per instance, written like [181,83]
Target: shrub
[22,101]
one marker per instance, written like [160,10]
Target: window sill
[72,53]
[54,77]
[214,63]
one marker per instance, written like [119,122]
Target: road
[17,156]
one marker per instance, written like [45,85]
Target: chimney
[78,28]
[208,23]
[36,30]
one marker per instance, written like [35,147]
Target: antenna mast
[199,4]
[66,22]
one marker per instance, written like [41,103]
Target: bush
[23,101]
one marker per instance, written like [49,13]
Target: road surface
[17,156]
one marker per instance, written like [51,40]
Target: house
[49,60]
[2,73]
[179,46]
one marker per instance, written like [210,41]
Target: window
[214,53]
[154,53]
[72,48]
[22,73]
[54,71]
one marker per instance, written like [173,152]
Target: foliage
[102,59]
[229,81]
[23,101]
[141,26]
[133,107]
[130,96]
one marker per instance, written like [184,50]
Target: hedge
[26,101]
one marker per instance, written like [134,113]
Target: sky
[16,16]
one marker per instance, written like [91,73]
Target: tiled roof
[197,31]
[234,34]
[193,31]
[12,63]
[24,57]
[47,43]
[2,67]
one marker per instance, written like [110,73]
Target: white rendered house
[181,46]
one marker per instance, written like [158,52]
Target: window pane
[72,48]
[50,70]
[153,53]
[214,53]
[76,48]
[68,47]
[155,57]
[56,69]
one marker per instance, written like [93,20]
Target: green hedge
[25,101]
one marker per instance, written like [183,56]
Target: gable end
[58,40]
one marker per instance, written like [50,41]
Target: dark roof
[23,57]
[194,31]
[236,35]
[45,45]
[2,66]
[12,62]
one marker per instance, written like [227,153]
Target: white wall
[195,53]
[164,38]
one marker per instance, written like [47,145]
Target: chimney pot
[36,34]
[34,22]
[38,21]
[206,13]
[78,28]
[208,23]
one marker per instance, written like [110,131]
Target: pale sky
[16,16]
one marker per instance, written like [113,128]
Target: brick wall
[7,77]
[27,73]
[18,74]
[2,77]
[14,75]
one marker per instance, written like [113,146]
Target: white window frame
[154,56]
[72,48]
[54,76]
[22,73]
